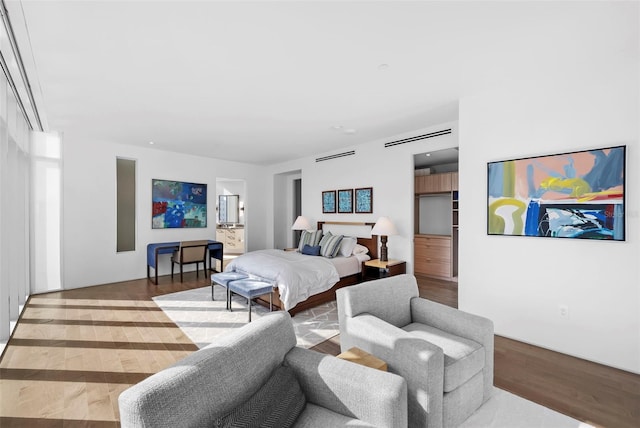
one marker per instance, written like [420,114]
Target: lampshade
[301,223]
[384,227]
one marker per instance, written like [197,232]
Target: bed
[288,269]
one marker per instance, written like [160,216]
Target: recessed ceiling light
[151,142]
[350,131]
[427,154]
[337,127]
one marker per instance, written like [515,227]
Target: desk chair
[190,252]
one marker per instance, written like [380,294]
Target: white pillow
[347,245]
[362,257]
[360,249]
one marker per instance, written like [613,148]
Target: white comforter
[296,275]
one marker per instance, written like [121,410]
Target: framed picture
[176,204]
[364,200]
[345,201]
[568,195]
[329,201]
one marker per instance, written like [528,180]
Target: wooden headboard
[357,228]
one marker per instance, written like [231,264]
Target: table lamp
[384,227]
[301,223]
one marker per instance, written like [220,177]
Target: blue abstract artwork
[329,201]
[364,200]
[345,201]
[177,204]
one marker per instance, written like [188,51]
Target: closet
[436,224]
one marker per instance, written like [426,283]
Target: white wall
[389,171]
[89,234]
[519,282]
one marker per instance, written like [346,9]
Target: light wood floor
[73,352]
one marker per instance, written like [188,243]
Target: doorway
[287,206]
[436,214]
[231,224]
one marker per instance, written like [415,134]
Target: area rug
[507,410]
[202,319]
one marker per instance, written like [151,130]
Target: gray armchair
[446,355]
[217,380]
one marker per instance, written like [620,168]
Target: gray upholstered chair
[190,252]
[446,355]
[225,377]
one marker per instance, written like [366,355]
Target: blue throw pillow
[311,251]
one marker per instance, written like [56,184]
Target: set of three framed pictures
[347,201]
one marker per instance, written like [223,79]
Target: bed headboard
[360,230]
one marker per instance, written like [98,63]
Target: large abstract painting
[177,204]
[569,195]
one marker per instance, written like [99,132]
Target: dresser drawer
[433,268]
[428,241]
[442,254]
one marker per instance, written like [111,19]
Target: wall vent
[339,155]
[419,137]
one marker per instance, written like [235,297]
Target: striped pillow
[330,245]
[311,239]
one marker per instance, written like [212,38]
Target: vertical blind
[30,191]
[14,208]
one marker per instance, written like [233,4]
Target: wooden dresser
[433,255]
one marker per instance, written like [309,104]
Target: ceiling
[265,82]
[435,158]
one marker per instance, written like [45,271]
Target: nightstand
[375,269]
[358,356]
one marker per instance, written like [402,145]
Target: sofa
[446,355]
[257,376]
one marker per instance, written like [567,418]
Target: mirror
[228,211]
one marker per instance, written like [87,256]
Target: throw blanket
[296,275]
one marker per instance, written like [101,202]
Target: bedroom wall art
[345,201]
[177,204]
[364,200]
[329,201]
[569,195]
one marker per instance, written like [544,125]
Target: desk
[153,250]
